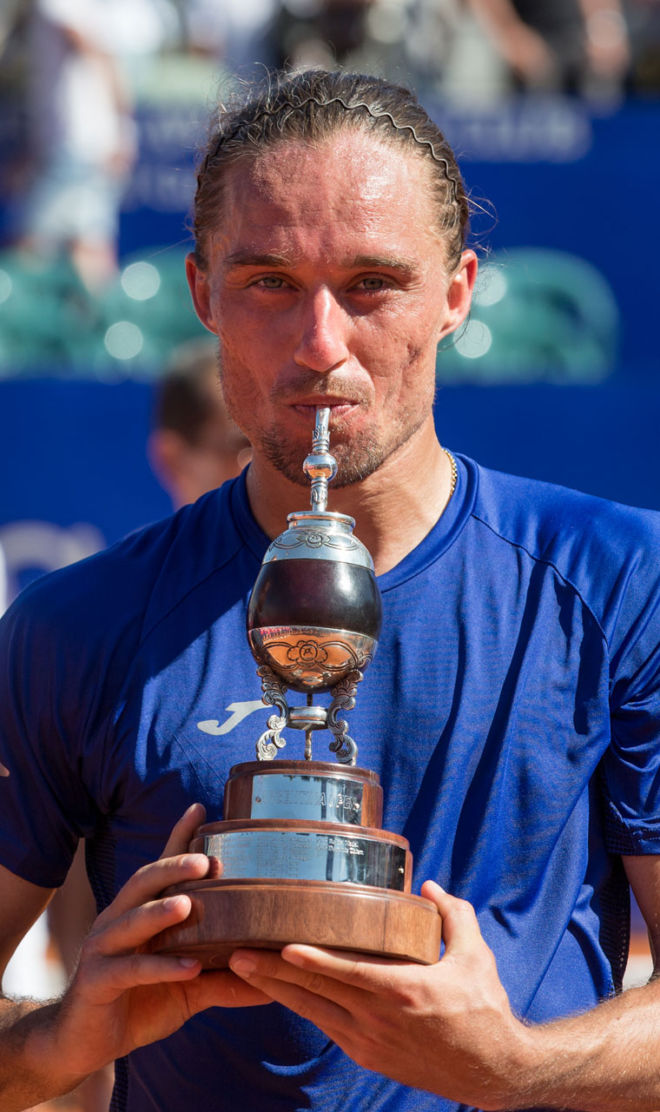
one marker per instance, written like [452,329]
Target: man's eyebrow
[256,258]
[362,262]
[386,262]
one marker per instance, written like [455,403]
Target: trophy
[300,855]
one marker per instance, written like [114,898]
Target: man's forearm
[379,1013]
[29,1074]
[605,1060]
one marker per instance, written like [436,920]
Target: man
[509,710]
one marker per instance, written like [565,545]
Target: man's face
[327,285]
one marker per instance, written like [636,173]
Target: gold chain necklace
[454,472]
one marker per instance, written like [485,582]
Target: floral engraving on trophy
[319,659]
[313,538]
[307,652]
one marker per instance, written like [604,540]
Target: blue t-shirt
[511,712]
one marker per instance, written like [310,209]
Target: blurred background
[553,108]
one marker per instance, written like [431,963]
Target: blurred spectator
[365,35]
[321,32]
[644,23]
[238,33]
[81,132]
[14,69]
[194,446]
[430,41]
[245,34]
[559,45]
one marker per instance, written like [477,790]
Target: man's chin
[354,464]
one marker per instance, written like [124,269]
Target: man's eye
[372,283]
[270,282]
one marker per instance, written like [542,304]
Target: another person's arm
[606,37]
[522,48]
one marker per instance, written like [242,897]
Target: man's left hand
[447,1027]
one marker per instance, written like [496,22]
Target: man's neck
[394,508]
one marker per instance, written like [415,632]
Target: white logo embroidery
[239,712]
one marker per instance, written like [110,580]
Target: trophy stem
[319,466]
[308,731]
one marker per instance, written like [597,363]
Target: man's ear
[201,295]
[459,293]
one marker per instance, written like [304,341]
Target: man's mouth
[338,407]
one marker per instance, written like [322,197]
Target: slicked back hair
[312,106]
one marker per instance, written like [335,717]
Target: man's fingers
[149,881]
[112,976]
[182,834]
[460,927]
[367,971]
[311,995]
[119,974]
[222,988]
[334,975]
[139,925]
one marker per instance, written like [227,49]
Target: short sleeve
[631,767]
[64,647]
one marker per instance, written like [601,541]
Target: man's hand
[447,1027]
[121,996]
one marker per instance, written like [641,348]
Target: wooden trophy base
[268,914]
[343,884]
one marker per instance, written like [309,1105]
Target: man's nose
[322,342]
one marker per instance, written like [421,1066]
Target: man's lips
[335,405]
[336,408]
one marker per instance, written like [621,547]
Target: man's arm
[449,1028]
[120,997]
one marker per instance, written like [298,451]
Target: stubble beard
[354,462]
[356,459]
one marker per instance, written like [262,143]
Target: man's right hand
[122,997]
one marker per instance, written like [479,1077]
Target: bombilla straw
[320,466]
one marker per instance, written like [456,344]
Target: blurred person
[82,136]
[644,24]
[238,33]
[321,32]
[194,446]
[558,45]
[431,33]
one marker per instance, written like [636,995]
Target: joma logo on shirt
[238,711]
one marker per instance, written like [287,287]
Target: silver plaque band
[313,798]
[308,855]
